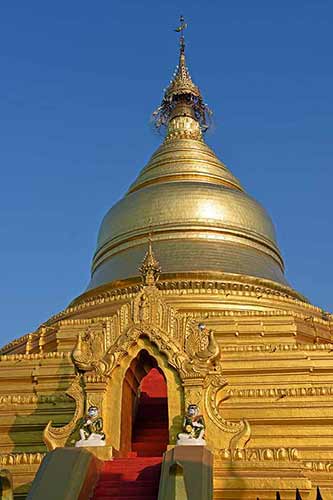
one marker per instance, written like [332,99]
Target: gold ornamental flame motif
[150,268]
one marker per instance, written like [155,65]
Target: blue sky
[79,81]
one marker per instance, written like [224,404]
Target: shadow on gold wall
[28,421]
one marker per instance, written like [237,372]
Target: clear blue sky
[78,82]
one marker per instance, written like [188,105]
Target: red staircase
[150,433]
[129,479]
[137,477]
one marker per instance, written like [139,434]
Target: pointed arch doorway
[144,412]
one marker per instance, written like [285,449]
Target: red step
[137,476]
[129,478]
[108,497]
[132,497]
[121,490]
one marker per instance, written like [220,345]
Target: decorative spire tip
[180,30]
[150,268]
[182,93]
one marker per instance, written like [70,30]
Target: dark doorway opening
[145,429]
[150,430]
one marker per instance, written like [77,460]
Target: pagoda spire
[182,97]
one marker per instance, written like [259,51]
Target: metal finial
[182,91]
[182,26]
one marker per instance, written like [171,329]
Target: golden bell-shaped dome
[198,213]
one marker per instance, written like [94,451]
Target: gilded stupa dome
[200,217]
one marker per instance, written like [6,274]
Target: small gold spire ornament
[150,268]
[182,93]
[182,83]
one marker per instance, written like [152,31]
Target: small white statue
[91,429]
[193,428]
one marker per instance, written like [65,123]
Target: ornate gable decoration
[189,347]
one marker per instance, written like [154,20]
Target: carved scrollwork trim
[241,429]
[34,356]
[176,357]
[55,437]
[318,465]
[258,454]
[281,392]
[9,459]
[31,399]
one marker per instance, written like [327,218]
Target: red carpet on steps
[137,477]
[129,479]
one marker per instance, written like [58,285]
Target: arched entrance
[144,412]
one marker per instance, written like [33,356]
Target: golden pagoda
[207,309]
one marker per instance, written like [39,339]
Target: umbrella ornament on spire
[182,93]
